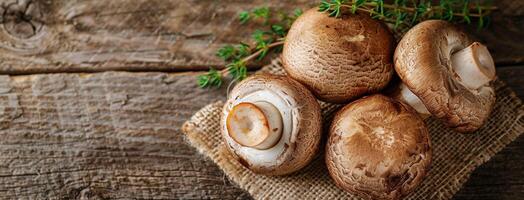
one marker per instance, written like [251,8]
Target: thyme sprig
[264,41]
[406,13]
[402,14]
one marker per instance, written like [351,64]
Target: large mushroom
[272,124]
[339,59]
[378,148]
[446,75]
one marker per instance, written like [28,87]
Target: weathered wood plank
[514,77]
[116,135]
[131,35]
[162,35]
[504,33]
[110,135]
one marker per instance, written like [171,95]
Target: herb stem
[269,46]
[255,54]
[366,8]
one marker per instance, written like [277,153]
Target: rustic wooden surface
[132,35]
[74,134]
[161,35]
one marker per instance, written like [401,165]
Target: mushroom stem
[474,65]
[257,124]
[408,97]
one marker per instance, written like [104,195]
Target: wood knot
[22,18]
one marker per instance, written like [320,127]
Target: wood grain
[107,135]
[116,135]
[41,36]
[38,36]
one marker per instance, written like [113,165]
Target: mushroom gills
[257,125]
[407,96]
[474,65]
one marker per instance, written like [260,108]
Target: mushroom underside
[449,75]
[293,105]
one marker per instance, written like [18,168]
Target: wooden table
[93,94]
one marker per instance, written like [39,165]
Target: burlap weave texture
[455,155]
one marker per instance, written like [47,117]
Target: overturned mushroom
[445,75]
[378,148]
[339,59]
[271,124]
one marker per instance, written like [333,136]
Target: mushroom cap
[339,59]
[423,62]
[378,148]
[301,117]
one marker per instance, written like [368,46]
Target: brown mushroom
[446,75]
[339,59]
[378,148]
[272,124]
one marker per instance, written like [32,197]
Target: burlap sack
[455,155]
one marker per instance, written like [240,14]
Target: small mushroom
[272,124]
[339,59]
[378,148]
[446,75]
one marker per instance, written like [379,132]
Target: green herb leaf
[297,12]
[210,79]
[465,12]
[237,69]
[226,52]
[324,6]
[231,53]
[279,30]
[263,53]
[262,13]
[332,7]
[356,5]
[244,17]
[258,35]
[242,50]
[481,18]
[337,4]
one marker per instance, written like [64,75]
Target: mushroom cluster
[378,146]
